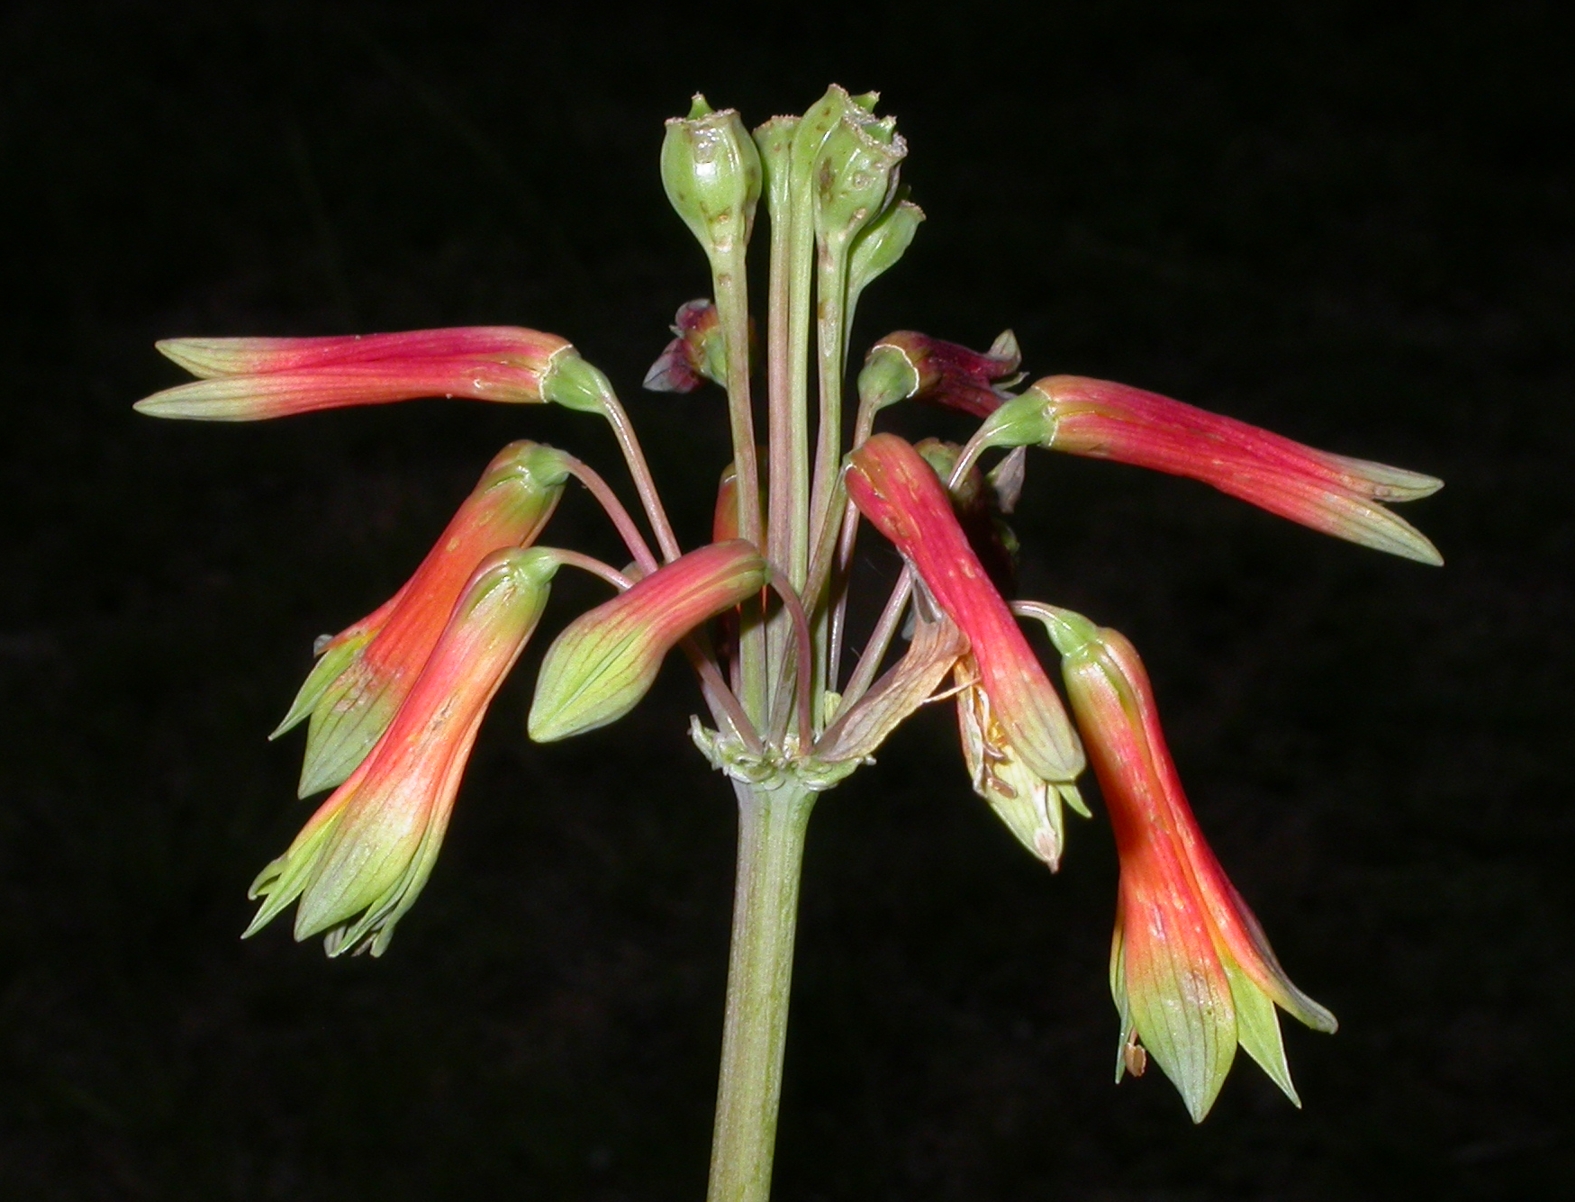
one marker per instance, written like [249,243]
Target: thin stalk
[880,639]
[839,593]
[587,563]
[722,700]
[831,336]
[800,270]
[782,690]
[841,566]
[630,533]
[779,423]
[804,673]
[972,449]
[640,472]
[775,140]
[771,830]
[792,279]
[732,302]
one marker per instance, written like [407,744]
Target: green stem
[771,828]
[732,302]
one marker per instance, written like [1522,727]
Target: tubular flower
[1333,494]
[364,672]
[899,493]
[597,670]
[1191,971]
[250,379]
[362,859]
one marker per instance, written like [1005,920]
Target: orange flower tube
[364,672]
[1191,970]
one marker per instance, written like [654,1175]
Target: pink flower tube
[1333,494]
[900,494]
[251,379]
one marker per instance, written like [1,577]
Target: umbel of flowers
[394,702]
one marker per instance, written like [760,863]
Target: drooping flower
[604,661]
[251,379]
[364,672]
[900,494]
[1191,971]
[362,859]
[1333,494]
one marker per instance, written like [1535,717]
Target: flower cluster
[395,700]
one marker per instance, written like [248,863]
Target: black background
[1350,223]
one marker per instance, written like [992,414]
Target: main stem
[771,828]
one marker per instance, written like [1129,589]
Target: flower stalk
[771,829]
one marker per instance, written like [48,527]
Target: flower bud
[364,673]
[597,670]
[880,245]
[711,170]
[252,379]
[363,858]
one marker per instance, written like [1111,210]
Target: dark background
[1351,223]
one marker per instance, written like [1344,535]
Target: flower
[360,862]
[1191,971]
[365,671]
[699,352]
[900,494]
[907,365]
[597,670]
[250,379]
[1333,494]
